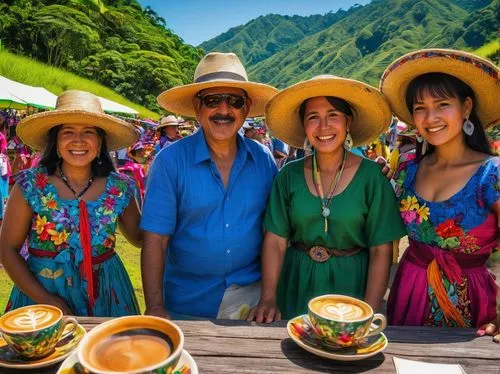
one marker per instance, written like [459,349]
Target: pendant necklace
[326,200]
[66,182]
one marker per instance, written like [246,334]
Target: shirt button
[227,225]
[228,251]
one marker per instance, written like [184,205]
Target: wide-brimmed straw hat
[76,107]
[371,113]
[481,75]
[169,120]
[216,70]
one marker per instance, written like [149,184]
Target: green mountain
[114,42]
[267,35]
[362,43]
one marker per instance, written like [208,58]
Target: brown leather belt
[322,254]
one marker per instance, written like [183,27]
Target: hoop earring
[58,154]
[348,142]
[468,127]
[99,161]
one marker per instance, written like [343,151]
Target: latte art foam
[339,310]
[29,319]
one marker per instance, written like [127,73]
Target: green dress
[365,214]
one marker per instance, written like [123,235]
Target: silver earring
[468,127]
[348,142]
[422,141]
[58,154]
[307,145]
[99,161]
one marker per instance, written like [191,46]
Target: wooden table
[221,346]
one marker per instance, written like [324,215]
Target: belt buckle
[319,254]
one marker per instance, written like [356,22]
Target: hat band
[220,75]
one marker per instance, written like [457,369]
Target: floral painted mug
[343,320]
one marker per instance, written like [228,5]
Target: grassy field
[34,73]
[129,254]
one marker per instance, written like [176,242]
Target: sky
[196,21]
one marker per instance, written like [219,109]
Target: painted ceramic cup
[343,320]
[33,331]
[134,344]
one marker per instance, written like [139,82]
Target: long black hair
[340,104]
[440,85]
[102,165]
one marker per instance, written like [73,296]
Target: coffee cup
[134,344]
[33,331]
[343,320]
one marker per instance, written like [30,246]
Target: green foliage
[114,42]
[363,40]
[28,71]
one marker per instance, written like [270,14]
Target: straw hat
[216,70]
[76,107]
[169,120]
[479,74]
[371,113]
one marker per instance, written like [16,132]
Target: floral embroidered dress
[56,255]
[442,279]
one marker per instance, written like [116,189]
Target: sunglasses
[214,100]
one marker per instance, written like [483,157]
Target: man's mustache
[222,117]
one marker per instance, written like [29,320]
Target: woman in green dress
[331,216]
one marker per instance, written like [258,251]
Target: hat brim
[479,74]
[34,129]
[371,113]
[179,100]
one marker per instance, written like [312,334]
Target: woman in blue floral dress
[69,208]
[450,194]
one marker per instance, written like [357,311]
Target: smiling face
[78,145]
[439,119]
[222,122]
[325,126]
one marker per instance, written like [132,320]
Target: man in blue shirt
[201,251]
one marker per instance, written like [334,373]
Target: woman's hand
[57,302]
[266,311]
[492,328]
[385,167]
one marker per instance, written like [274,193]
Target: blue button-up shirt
[215,232]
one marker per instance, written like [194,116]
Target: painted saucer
[302,333]
[186,364]
[65,346]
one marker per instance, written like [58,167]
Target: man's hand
[265,311]
[157,311]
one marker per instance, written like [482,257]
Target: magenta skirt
[408,302]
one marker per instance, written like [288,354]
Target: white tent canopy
[39,97]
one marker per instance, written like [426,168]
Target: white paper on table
[404,366]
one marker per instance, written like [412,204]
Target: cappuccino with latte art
[340,309]
[343,320]
[30,318]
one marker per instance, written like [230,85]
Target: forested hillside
[363,40]
[114,42]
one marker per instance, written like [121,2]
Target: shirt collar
[201,148]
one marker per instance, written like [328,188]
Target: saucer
[186,364]
[10,359]
[302,333]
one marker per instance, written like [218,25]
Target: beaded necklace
[66,182]
[326,200]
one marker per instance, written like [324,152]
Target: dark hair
[50,159]
[442,85]
[340,104]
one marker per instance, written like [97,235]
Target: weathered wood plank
[237,346]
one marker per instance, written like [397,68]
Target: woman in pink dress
[450,194]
